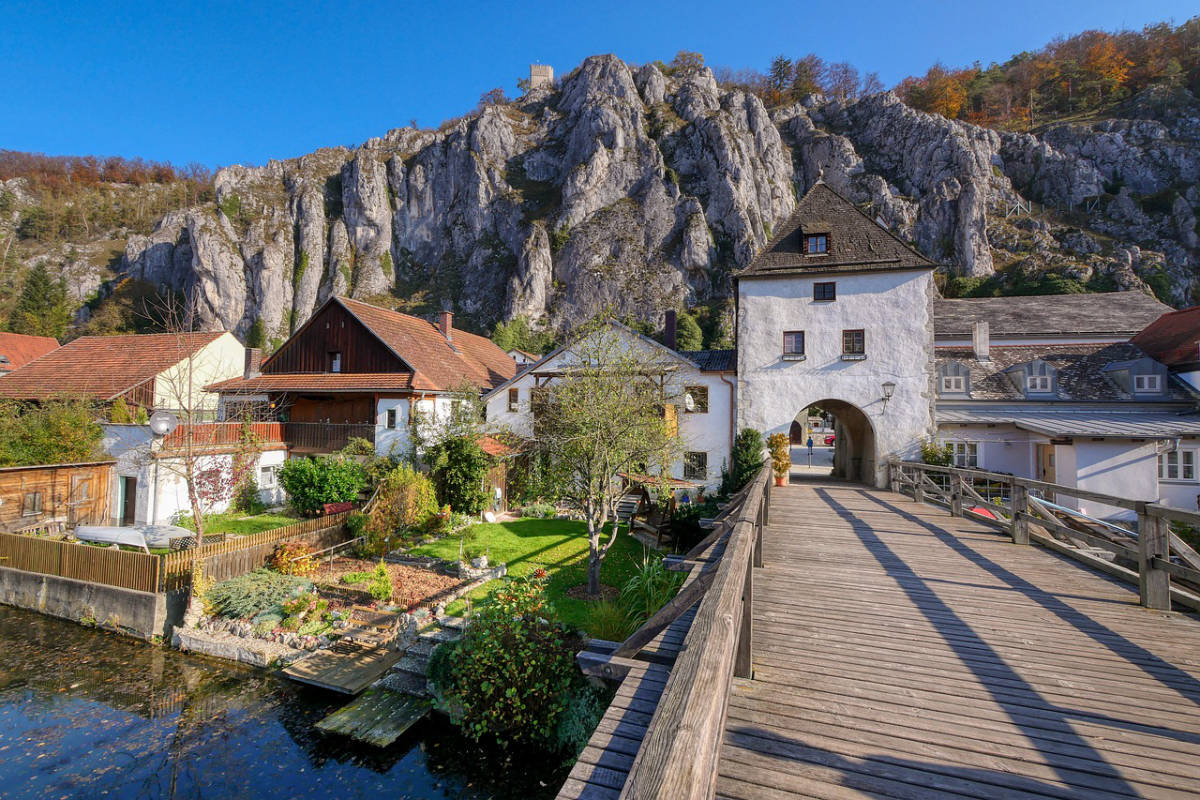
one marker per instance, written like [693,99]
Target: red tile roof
[319,382]
[494,447]
[438,365]
[102,366]
[17,349]
[1173,338]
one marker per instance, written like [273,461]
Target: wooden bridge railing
[678,754]
[1149,555]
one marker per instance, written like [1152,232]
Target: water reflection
[89,714]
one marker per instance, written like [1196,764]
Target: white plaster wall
[1001,448]
[170,499]
[893,308]
[500,419]
[710,432]
[1180,494]
[219,360]
[130,446]
[1115,466]
[392,441]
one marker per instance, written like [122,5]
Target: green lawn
[239,524]
[560,546]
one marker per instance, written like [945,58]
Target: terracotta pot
[779,479]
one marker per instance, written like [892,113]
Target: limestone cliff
[624,187]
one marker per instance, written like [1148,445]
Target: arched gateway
[838,312]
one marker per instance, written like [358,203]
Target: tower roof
[854,241]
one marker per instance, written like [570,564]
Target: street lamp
[889,389]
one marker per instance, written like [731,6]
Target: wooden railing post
[766,507]
[759,524]
[893,477]
[918,485]
[1019,526]
[956,494]
[1154,583]
[742,666]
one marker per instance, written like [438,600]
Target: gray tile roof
[1132,424]
[1081,373]
[1121,313]
[856,242]
[712,360]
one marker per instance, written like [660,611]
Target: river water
[88,714]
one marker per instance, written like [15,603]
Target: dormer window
[816,244]
[335,361]
[1040,378]
[1147,384]
[1037,383]
[953,384]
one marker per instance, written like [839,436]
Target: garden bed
[412,587]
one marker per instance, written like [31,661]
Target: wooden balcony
[321,437]
[221,435]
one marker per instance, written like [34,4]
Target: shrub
[245,497]
[583,713]
[247,595]
[293,558]
[119,413]
[941,455]
[380,581]
[313,482]
[650,588]
[404,502]
[685,522]
[303,610]
[747,456]
[540,511]
[513,673]
[781,457]
[458,466]
[608,620]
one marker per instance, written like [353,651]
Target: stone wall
[140,614]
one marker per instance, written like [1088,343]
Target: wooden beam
[1018,528]
[680,603]
[610,667]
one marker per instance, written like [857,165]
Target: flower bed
[412,586]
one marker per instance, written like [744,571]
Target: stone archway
[854,448]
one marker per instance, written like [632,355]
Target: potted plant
[781,458]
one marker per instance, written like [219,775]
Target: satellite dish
[689,402]
[163,422]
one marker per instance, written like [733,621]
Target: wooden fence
[241,554]
[1149,555]
[138,571]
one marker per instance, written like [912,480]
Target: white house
[701,383]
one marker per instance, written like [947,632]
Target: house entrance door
[128,500]
[1045,466]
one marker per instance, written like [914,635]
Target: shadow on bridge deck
[902,652]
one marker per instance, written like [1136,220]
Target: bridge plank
[899,652]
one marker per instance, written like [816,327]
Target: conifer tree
[41,309]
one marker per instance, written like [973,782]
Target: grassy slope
[559,546]
[239,523]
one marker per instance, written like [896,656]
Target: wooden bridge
[850,642]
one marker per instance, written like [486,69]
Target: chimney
[981,342]
[446,324]
[669,329]
[252,367]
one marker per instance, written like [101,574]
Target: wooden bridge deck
[902,652]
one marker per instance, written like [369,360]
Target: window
[699,396]
[31,504]
[266,477]
[514,399]
[816,244]
[391,418]
[825,291]
[81,489]
[966,454]
[695,466]
[854,344]
[953,384]
[793,345]
[1037,383]
[335,361]
[1179,465]
[1147,383]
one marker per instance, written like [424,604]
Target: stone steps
[408,674]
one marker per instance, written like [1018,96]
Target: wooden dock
[346,667]
[855,643]
[378,717]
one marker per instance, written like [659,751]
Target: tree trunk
[594,557]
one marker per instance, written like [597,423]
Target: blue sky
[242,82]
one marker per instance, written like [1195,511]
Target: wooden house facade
[55,497]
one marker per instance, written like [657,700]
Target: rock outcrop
[636,190]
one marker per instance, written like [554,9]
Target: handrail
[1150,549]
[678,754]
